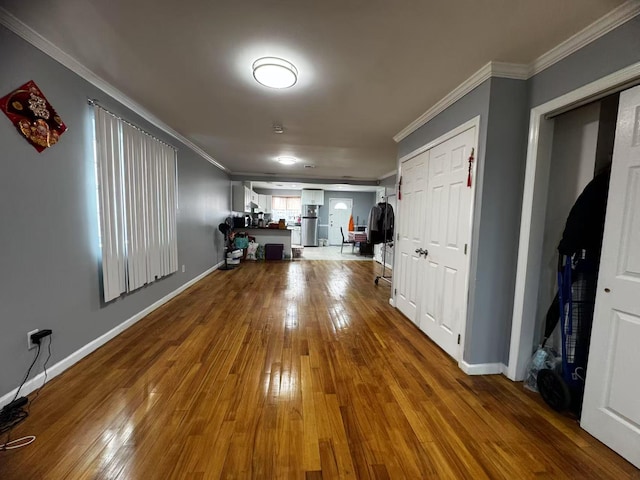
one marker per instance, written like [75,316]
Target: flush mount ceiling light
[275,72]
[287,160]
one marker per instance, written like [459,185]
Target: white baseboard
[482,368]
[78,355]
[392,302]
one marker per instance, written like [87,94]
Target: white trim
[392,302]
[35,383]
[481,368]
[533,213]
[387,175]
[474,122]
[597,29]
[491,69]
[514,71]
[44,45]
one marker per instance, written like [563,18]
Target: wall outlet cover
[30,344]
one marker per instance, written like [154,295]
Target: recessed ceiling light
[278,129]
[287,160]
[275,72]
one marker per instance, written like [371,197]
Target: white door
[339,214]
[410,230]
[611,408]
[447,223]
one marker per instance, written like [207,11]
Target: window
[288,208]
[136,180]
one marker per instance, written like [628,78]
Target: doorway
[340,211]
[534,204]
[610,410]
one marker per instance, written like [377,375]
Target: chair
[346,242]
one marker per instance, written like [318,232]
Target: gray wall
[496,241]
[389,181]
[48,248]
[610,53]
[362,203]
[502,107]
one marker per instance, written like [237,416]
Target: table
[356,237]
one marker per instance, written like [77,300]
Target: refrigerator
[309,226]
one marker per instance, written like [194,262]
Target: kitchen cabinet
[296,236]
[265,203]
[241,198]
[254,197]
[312,197]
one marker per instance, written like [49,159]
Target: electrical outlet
[183,269]
[30,344]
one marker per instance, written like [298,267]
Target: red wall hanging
[33,116]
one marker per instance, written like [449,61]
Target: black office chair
[346,242]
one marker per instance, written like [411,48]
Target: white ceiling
[323,186]
[367,68]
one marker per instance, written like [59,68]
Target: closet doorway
[610,410]
[436,213]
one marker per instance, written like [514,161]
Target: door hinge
[458,339]
[398,236]
[395,291]
[465,248]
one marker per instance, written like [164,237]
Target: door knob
[425,252]
[419,251]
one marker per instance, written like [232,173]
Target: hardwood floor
[292,370]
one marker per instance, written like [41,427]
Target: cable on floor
[18,443]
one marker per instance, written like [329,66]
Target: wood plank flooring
[293,370]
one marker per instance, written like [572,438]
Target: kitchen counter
[270,235]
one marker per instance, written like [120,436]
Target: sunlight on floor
[332,253]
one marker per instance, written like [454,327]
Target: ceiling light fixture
[287,160]
[275,72]
[278,129]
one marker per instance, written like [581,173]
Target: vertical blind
[136,176]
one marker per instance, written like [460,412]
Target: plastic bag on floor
[543,358]
[252,248]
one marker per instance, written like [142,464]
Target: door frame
[477,178]
[534,204]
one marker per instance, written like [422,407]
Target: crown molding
[388,174]
[491,69]
[597,29]
[44,45]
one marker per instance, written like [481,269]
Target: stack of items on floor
[234,256]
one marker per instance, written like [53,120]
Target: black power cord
[13,413]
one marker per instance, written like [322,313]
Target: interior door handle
[419,251]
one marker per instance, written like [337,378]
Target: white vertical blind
[139,213]
[109,177]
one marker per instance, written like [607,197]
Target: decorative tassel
[470,167]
